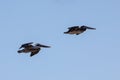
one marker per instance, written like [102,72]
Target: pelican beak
[44,46]
[91,28]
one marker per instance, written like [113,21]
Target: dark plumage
[77,29]
[26,45]
[33,49]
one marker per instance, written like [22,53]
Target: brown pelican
[77,29]
[33,49]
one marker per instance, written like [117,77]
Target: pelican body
[33,49]
[78,29]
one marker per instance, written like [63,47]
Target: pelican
[30,48]
[78,29]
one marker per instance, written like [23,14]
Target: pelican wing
[35,51]
[74,28]
[26,45]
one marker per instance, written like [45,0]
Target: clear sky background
[92,55]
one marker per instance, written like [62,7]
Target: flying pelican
[33,49]
[77,29]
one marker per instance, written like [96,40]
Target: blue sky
[92,55]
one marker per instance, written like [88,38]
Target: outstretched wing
[35,51]
[74,28]
[26,45]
